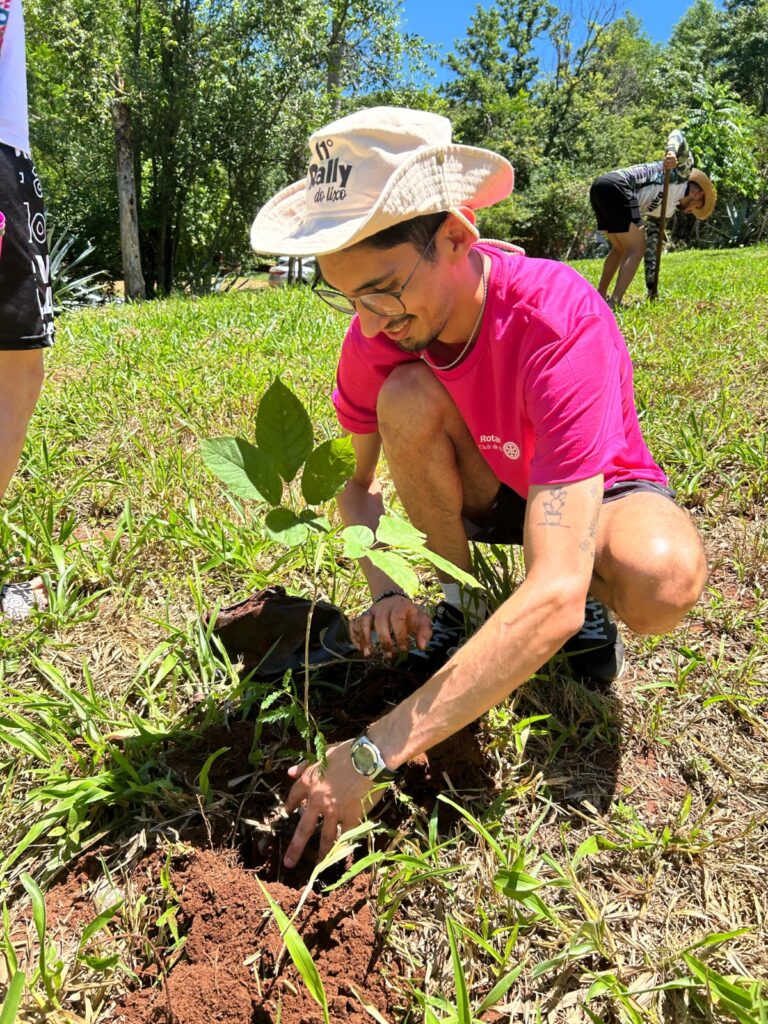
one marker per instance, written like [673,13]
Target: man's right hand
[670,160]
[394,619]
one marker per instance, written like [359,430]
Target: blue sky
[444,21]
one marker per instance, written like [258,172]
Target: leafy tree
[693,52]
[222,93]
[719,130]
[495,68]
[744,46]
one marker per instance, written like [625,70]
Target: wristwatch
[368,761]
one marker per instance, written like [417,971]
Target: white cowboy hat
[371,170]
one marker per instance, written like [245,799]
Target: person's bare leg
[436,466]
[611,265]
[21,379]
[650,566]
[634,246]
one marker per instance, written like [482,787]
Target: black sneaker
[448,634]
[596,653]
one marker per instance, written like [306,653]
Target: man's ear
[460,230]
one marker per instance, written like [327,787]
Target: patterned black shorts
[615,204]
[26,302]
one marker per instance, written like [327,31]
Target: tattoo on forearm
[553,508]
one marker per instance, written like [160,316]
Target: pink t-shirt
[546,392]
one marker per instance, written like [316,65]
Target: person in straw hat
[621,199]
[500,390]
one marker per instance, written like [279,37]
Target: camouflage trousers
[651,243]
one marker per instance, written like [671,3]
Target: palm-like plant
[68,289]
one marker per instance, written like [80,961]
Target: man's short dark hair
[418,231]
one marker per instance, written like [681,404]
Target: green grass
[617,870]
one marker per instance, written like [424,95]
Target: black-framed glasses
[387,304]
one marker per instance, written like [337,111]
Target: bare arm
[547,608]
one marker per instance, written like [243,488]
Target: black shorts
[26,301]
[614,203]
[503,524]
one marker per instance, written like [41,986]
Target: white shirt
[14,118]
[649,198]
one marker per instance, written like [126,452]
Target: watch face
[364,759]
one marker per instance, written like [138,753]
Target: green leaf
[247,471]
[38,906]
[205,786]
[499,990]
[327,469]
[516,884]
[721,990]
[396,568]
[283,429]
[285,527]
[477,826]
[399,533]
[299,953]
[12,999]
[448,567]
[39,917]
[715,938]
[598,987]
[464,1014]
[357,541]
[98,923]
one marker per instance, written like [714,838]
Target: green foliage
[719,132]
[67,288]
[284,430]
[549,218]
[13,997]
[247,471]
[744,47]
[222,98]
[285,444]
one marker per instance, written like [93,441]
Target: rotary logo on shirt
[492,442]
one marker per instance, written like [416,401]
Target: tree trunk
[126,189]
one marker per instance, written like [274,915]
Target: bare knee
[412,400]
[673,578]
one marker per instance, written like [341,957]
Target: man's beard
[413,344]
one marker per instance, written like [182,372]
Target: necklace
[475,329]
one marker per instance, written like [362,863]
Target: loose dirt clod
[233,944]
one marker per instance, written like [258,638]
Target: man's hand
[340,797]
[670,160]
[394,619]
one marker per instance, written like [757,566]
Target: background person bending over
[26,305]
[501,391]
[622,198]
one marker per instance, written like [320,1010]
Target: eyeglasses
[387,304]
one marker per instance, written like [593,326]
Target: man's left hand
[339,796]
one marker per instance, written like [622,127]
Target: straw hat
[710,193]
[371,170]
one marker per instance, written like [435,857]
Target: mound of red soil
[233,967]
[233,946]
